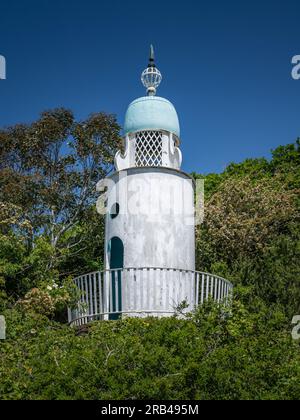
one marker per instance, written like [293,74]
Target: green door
[116,262]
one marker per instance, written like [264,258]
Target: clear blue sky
[226,67]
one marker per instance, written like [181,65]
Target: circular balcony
[140,292]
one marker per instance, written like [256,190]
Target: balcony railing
[110,294]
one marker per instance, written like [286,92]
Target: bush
[212,354]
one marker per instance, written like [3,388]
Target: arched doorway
[116,261]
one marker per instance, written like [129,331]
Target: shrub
[212,354]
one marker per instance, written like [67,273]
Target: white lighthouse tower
[150,228]
[150,223]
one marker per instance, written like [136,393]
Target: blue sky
[226,67]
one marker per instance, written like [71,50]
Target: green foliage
[212,354]
[50,298]
[251,230]
[49,228]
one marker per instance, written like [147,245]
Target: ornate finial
[151,76]
[151,58]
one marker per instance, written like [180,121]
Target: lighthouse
[148,202]
[150,219]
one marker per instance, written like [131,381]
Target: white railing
[144,291]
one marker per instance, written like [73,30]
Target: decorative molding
[153,148]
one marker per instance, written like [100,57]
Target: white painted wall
[156,220]
[156,225]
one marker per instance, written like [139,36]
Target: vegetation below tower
[50,231]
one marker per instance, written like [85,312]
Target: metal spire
[151,76]
[151,58]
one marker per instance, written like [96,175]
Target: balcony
[140,292]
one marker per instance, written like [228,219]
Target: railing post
[220,284]
[107,292]
[86,289]
[222,290]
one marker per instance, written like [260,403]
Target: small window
[114,211]
[148,148]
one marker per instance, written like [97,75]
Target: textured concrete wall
[156,224]
[156,219]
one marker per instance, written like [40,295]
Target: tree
[48,173]
[251,229]
[242,218]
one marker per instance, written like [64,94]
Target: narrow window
[115,210]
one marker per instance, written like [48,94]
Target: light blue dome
[151,113]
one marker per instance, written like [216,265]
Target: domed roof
[151,113]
